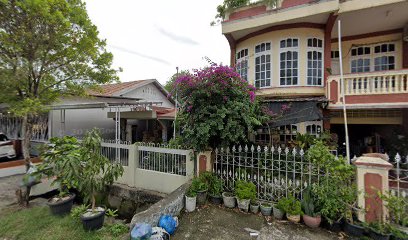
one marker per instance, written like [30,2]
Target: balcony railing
[365,84]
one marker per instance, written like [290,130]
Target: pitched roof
[115,88]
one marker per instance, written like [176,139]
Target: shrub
[217,107]
[60,161]
[290,205]
[245,190]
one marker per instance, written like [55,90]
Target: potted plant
[311,215]
[380,230]
[229,199]
[351,226]
[278,210]
[96,172]
[254,206]
[215,189]
[266,209]
[292,208]
[60,161]
[191,199]
[201,187]
[244,191]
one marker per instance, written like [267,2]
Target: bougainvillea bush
[218,107]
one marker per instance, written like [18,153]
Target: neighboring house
[142,106]
[291,53]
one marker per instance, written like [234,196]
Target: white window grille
[289,61]
[314,61]
[263,65]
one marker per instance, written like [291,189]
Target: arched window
[289,62]
[242,63]
[263,65]
[314,62]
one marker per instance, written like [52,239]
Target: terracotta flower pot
[313,222]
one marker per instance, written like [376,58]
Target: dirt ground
[216,222]
[8,187]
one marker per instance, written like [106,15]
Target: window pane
[295,42]
[320,43]
[391,48]
[309,42]
[282,44]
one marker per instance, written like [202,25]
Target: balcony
[388,89]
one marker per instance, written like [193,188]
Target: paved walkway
[213,222]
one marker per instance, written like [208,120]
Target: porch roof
[292,111]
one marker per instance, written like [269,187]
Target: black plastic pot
[354,230]
[334,227]
[398,238]
[215,199]
[93,222]
[378,236]
[62,207]
[201,197]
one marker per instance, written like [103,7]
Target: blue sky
[150,38]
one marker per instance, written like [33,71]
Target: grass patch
[38,223]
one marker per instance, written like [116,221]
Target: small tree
[96,171]
[47,49]
[218,107]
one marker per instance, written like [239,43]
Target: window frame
[259,54]
[372,56]
[287,49]
[319,50]
[242,59]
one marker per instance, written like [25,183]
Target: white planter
[191,203]
[243,204]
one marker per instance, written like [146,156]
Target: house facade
[290,52]
[130,111]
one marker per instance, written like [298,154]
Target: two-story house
[291,53]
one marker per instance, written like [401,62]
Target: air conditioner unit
[405,33]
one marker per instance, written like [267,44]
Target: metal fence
[398,184]
[276,172]
[116,152]
[162,158]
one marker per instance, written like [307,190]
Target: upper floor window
[314,128]
[263,65]
[242,63]
[384,58]
[314,61]
[377,57]
[289,61]
[360,59]
[335,54]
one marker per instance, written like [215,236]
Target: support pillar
[372,177]
[204,162]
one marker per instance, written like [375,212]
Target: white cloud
[150,38]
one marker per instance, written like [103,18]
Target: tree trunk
[93,202]
[26,131]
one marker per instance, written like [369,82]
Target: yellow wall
[275,37]
[347,45]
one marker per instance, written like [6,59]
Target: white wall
[150,93]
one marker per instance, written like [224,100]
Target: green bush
[290,205]
[117,229]
[198,184]
[309,202]
[245,190]
[78,211]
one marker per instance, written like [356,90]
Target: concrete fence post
[372,178]
[133,164]
[204,162]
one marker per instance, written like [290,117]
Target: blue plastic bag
[168,223]
[141,231]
